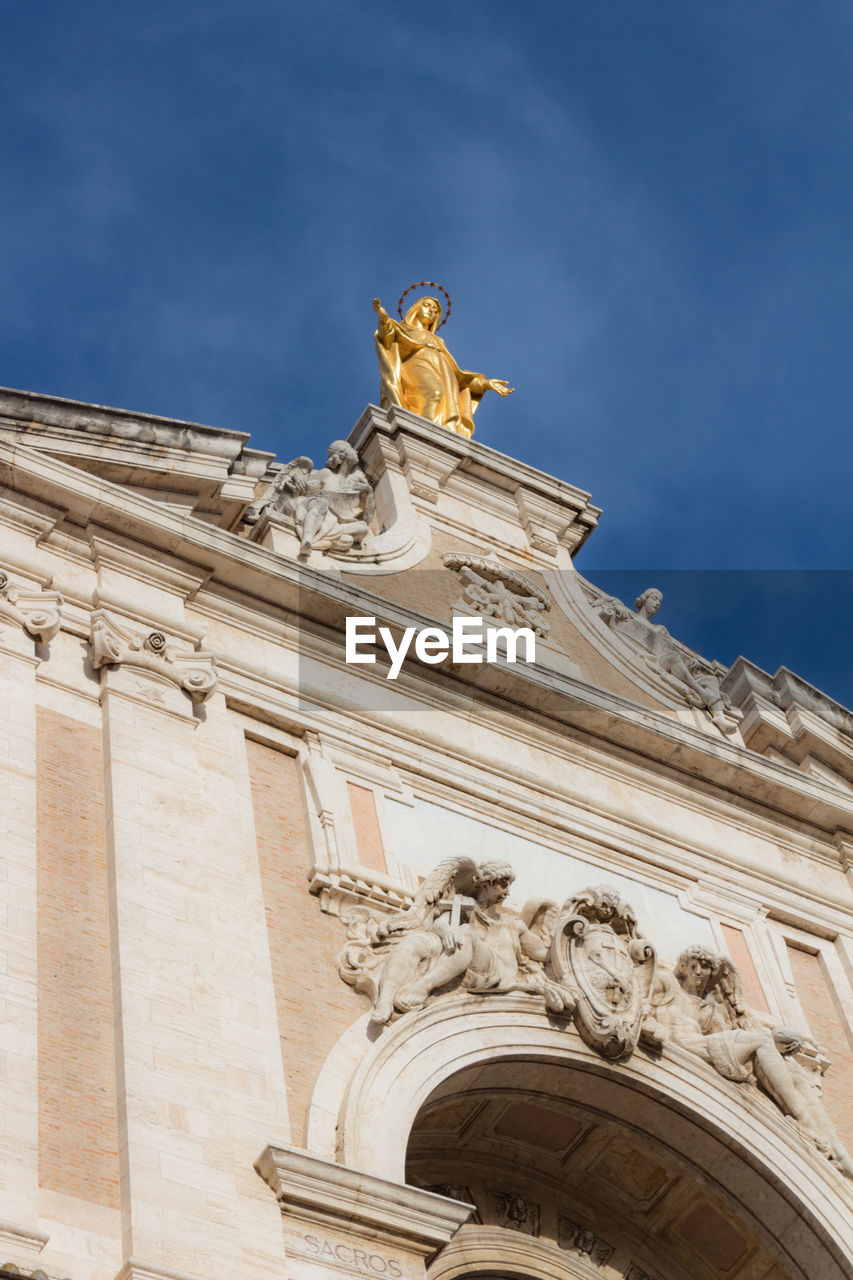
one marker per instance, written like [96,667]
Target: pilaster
[18,934]
[199,1067]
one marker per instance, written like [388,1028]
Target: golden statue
[417,371]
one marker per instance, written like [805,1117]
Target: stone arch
[486,1252]
[730,1140]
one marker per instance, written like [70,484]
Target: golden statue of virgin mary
[418,373]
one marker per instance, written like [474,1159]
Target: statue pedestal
[429,483]
[423,471]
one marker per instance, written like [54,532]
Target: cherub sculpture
[456,931]
[701,1007]
[330,509]
[696,680]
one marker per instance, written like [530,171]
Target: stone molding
[211,465]
[318,1190]
[17,1240]
[134,1269]
[38,612]
[341,888]
[283,585]
[367,1093]
[490,1251]
[786,714]
[544,518]
[194,672]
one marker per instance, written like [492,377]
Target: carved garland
[499,592]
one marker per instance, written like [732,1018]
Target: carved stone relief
[329,509]
[515,1213]
[690,676]
[457,933]
[454,1191]
[574,1237]
[500,593]
[193,671]
[588,961]
[700,1007]
[38,612]
[598,952]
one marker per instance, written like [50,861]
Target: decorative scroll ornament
[38,612]
[500,593]
[329,509]
[598,952]
[194,672]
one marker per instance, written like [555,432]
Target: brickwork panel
[815,994]
[78,1138]
[739,951]
[314,1006]
[368,837]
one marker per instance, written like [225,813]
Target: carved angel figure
[699,685]
[700,1007]
[331,508]
[455,930]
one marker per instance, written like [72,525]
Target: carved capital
[38,612]
[193,671]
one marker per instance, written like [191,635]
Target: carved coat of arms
[599,954]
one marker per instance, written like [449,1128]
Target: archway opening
[574,1173]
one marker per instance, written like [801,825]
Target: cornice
[320,1191]
[254,575]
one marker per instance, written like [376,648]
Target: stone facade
[593,914]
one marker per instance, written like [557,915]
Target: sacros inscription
[372,1264]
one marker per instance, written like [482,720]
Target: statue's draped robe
[418,373]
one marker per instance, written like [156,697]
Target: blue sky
[643,213]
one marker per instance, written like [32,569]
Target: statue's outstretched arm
[386,328]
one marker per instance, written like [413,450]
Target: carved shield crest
[598,953]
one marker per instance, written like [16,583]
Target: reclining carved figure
[700,1007]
